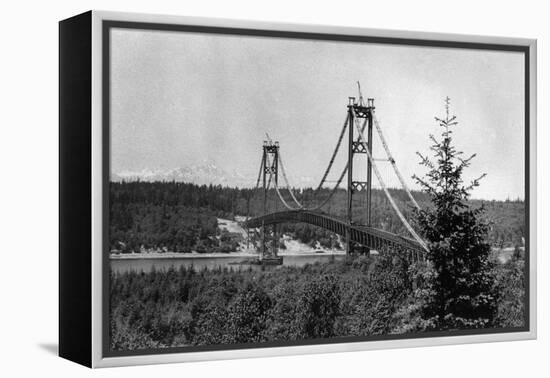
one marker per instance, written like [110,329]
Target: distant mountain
[200,174]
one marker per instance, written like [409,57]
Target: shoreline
[213,255]
[294,248]
[174,255]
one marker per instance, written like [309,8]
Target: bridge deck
[367,236]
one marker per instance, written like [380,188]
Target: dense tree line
[136,228]
[360,296]
[181,217]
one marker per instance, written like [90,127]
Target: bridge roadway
[367,236]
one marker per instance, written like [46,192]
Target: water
[146,265]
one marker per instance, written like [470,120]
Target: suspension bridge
[359,123]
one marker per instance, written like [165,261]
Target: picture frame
[87,76]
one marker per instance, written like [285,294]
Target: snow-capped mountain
[200,174]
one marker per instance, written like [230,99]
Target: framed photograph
[232,189]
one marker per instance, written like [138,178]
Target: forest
[361,296]
[182,217]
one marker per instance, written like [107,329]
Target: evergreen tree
[318,307]
[460,287]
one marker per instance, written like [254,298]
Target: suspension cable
[325,201]
[283,200]
[255,189]
[335,187]
[388,195]
[332,192]
[260,173]
[331,162]
[289,188]
[392,161]
[276,186]
[344,171]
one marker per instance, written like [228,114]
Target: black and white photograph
[272,189]
[238,189]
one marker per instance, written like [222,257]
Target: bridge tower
[363,112]
[269,246]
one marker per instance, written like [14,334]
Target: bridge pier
[263,243]
[269,245]
[275,245]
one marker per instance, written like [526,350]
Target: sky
[181,99]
